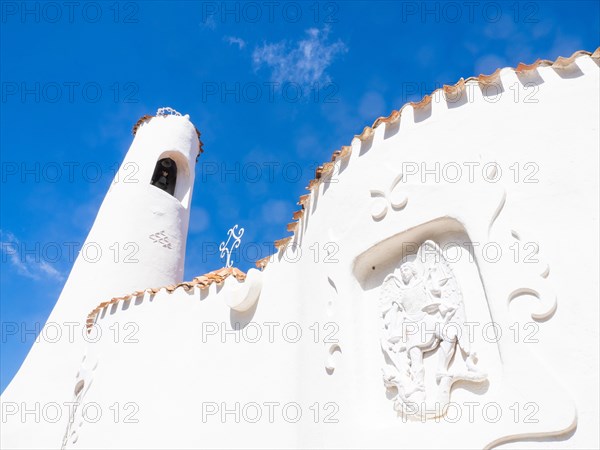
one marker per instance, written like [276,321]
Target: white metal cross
[225,250]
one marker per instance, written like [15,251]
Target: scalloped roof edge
[560,63]
[201,281]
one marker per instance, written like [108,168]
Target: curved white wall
[177,369]
[179,356]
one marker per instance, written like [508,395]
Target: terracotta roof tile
[452,90]
[365,134]
[262,263]
[562,62]
[202,281]
[312,183]
[393,117]
[488,79]
[282,242]
[426,100]
[527,67]
[347,149]
[139,123]
[238,274]
[328,167]
[303,199]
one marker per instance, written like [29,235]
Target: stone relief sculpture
[422,310]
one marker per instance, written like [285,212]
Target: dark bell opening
[165,175]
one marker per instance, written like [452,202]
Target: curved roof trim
[367,132]
[202,281]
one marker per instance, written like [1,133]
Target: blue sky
[273,89]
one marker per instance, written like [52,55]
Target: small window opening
[165,175]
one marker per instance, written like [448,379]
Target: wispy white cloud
[304,61]
[10,253]
[209,22]
[502,29]
[28,264]
[233,40]
[50,271]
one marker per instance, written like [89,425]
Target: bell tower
[143,222]
[137,241]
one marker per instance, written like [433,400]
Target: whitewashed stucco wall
[178,367]
[122,253]
[169,367]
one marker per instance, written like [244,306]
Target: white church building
[436,288]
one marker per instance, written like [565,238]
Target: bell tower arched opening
[165,175]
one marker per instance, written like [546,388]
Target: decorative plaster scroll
[83,382]
[331,351]
[530,277]
[332,347]
[392,198]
